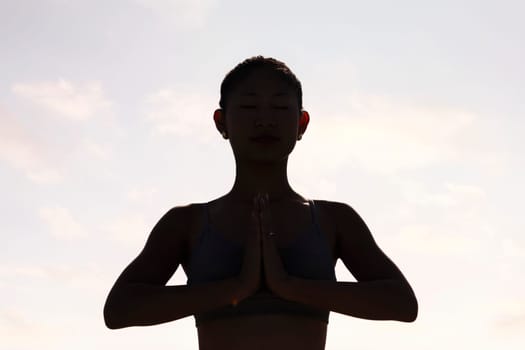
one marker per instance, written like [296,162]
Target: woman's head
[261,96]
[248,66]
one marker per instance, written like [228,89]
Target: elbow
[409,317]
[113,322]
[410,311]
[110,324]
[112,318]
[116,310]
[407,305]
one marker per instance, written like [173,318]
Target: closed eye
[281,107]
[248,106]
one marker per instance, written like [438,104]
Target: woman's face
[262,103]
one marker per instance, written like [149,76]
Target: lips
[265,139]
[265,136]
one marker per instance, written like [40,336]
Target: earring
[224,134]
[300,136]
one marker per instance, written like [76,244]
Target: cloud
[24,151]
[73,101]
[186,114]
[87,276]
[449,221]
[190,14]
[44,158]
[96,149]
[429,239]
[511,317]
[61,223]
[514,323]
[512,248]
[130,229]
[18,329]
[34,273]
[318,186]
[142,194]
[466,197]
[383,135]
[27,322]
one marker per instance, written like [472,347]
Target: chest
[305,237]
[289,222]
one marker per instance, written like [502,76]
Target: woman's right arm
[140,296]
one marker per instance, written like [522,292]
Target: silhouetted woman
[260,259]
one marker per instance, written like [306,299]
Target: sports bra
[215,258]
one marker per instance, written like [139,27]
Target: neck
[261,177]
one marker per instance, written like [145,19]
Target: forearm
[374,300]
[143,304]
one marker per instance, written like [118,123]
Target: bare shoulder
[350,230]
[175,230]
[341,214]
[173,225]
[357,248]
[326,207]
[165,248]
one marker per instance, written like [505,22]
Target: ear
[304,119]
[220,122]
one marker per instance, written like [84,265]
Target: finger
[255,207]
[265,216]
[270,253]
[256,216]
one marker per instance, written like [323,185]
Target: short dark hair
[243,69]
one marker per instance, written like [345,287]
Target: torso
[275,331]
[263,332]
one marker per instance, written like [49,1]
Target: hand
[250,276]
[275,275]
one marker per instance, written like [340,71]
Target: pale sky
[417,114]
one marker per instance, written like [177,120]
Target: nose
[264,122]
[265,118]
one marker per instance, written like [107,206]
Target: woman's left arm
[380,293]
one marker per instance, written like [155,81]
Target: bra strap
[313,210]
[206,215]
